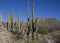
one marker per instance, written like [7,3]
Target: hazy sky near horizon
[42,8]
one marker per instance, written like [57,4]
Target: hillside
[47,31]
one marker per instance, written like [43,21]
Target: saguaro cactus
[19,22]
[28,21]
[7,25]
[8,22]
[0,19]
[36,25]
[12,21]
[33,25]
[19,29]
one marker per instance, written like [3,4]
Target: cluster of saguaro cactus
[11,24]
[34,22]
[28,23]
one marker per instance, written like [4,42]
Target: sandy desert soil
[8,37]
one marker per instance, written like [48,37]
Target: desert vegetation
[35,30]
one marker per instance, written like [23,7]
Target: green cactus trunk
[12,21]
[0,19]
[33,25]
[7,25]
[36,25]
[18,29]
[18,23]
[8,22]
[28,22]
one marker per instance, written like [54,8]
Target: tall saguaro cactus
[33,26]
[28,21]
[12,21]
[18,29]
[0,19]
[0,16]
[19,22]
[8,22]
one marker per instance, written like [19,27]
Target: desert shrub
[42,30]
[50,29]
[57,38]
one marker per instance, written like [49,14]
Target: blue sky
[42,8]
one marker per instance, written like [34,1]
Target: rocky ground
[9,37]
